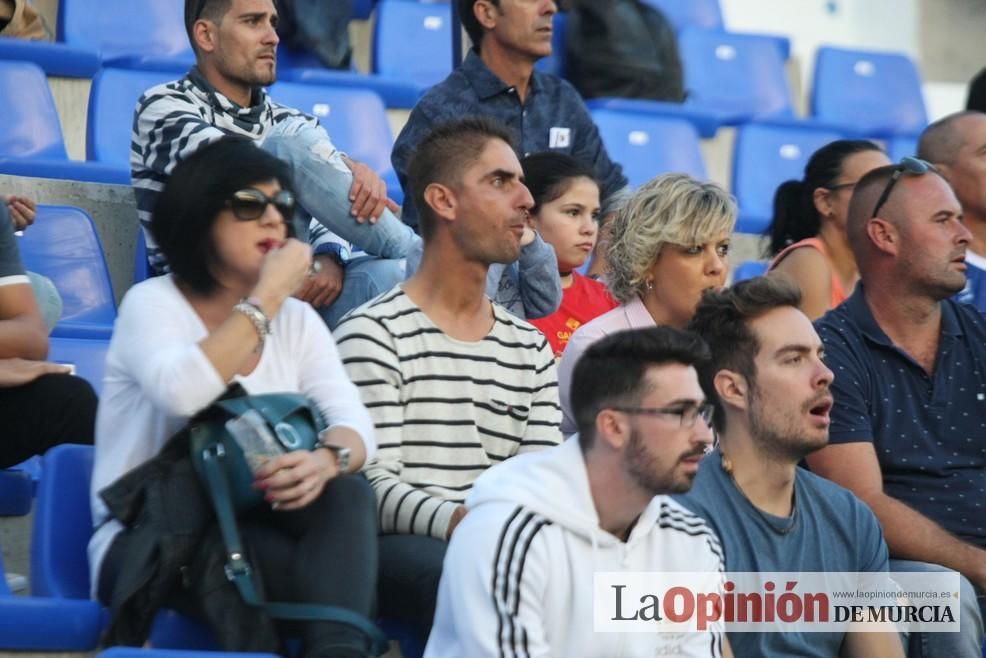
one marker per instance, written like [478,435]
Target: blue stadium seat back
[413,41]
[556,63]
[142,268]
[112,101]
[749,269]
[900,145]
[63,245]
[125,28]
[31,623]
[765,155]
[86,355]
[62,524]
[55,59]
[293,58]
[174,631]
[705,14]
[355,119]
[30,126]
[742,74]
[363,8]
[138,652]
[647,145]
[875,94]
[16,494]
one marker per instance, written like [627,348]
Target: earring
[649,284]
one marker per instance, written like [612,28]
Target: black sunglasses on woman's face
[250,203]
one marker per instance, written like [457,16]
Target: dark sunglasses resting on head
[908,165]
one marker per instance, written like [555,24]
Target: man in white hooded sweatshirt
[518,574]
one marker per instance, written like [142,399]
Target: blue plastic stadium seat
[56,59]
[647,145]
[556,63]
[870,93]
[128,32]
[112,100]
[86,355]
[739,75]
[749,269]
[44,624]
[62,245]
[16,492]
[363,8]
[31,142]
[355,119]
[706,14]
[62,524]
[765,156]
[30,127]
[900,145]
[413,41]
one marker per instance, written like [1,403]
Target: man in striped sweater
[455,383]
[235,43]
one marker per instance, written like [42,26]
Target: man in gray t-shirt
[771,391]
[40,404]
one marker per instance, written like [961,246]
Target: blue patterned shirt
[553,118]
[928,431]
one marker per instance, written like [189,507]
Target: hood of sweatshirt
[555,484]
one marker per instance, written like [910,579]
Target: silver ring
[315,268]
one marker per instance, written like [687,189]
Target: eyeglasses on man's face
[686,415]
[908,165]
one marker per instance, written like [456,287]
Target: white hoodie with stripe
[518,576]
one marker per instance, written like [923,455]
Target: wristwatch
[342,455]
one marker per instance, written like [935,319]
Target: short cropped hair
[212,10]
[195,194]
[723,318]
[669,209]
[443,155]
[611,372]
[468,18]
[941,141]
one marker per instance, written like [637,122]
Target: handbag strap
[238,569]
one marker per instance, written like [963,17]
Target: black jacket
[175,557]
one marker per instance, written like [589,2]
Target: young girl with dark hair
[808,233]
[565,213]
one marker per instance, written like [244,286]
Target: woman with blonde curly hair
[669,245]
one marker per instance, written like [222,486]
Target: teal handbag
[225,472]
[290,417]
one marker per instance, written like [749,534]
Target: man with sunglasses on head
[772,396]
[519,572]
[235,44]
[909,420]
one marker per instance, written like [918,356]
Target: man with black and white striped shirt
[235,44]
[454,382]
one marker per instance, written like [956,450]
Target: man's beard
[783,438]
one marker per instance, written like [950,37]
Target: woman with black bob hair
[225,315]
[808,238]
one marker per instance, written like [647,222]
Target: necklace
[780,528]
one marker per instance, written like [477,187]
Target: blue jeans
[968,642]
[365,278]
[322,182]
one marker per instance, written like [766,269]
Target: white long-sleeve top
[157,377]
